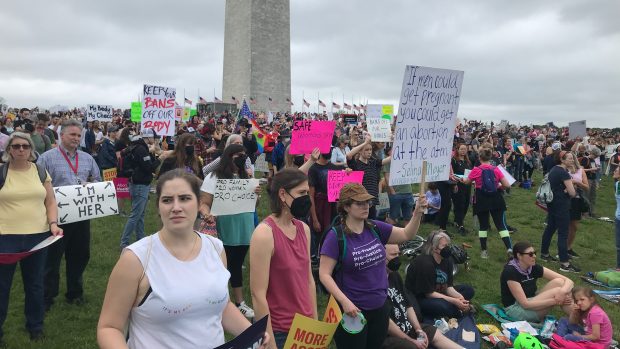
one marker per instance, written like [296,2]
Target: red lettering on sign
[157,126]
[158,103]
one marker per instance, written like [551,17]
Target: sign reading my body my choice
[425,123]
[98,112]
[158,109]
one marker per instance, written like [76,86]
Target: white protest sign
[82,202]
[577,129]
[384,202]
[99,112]
[425,124]
[234,196]
[158,109]
[379,122]
[508,176]
[260,165]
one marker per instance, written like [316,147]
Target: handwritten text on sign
[337,179]
[308,135]
[309,333]
[379,121]
[425,123]
[577,129]
[158,109]
[98,112]
[234,196]
[82,202]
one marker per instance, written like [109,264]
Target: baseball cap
[113,129]
[354,191]
[148,133]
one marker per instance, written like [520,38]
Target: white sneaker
[245,310]
[484,254]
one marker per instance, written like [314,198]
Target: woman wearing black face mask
[280,257]
[235,230]
[183,156]
[429,279]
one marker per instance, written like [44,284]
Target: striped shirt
[372,175]
[60,171]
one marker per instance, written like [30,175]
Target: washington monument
[257,53]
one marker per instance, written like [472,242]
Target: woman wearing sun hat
[359,279]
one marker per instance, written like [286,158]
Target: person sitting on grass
[519,291]
[434,202]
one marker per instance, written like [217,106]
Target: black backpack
[4,171]
[127,162]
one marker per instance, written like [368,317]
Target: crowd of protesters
[303,231]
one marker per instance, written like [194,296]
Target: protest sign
[384,202]
[333,314]
[379,122]
[251,338]
[309,333]
[136,111]
[158,109]
[11,258]
[503,125]
[337,179]
[122,187]
[261,164]
[234,196]
[308,134]
[186,114]
[178,113]
[425,124]
[508,176]
[577,129]
[109,174]
[82,202]
[98,112]
[349,119]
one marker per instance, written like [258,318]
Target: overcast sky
[525,61]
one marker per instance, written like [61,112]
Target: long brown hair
[578,315]
[186,139]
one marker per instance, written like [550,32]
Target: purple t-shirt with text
[362,276]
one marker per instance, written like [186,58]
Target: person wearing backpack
[352,265]
[488,199]
[25,188]
[558,211]
[142,164]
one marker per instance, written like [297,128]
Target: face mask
[298,161]
[300,206]
[189,150]
[239,161]
[394,264]
[445,252]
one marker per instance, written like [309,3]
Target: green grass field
[70,326]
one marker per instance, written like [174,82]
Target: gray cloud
[526,60]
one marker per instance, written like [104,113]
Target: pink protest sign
[308,134]
[122,187]
[337,179]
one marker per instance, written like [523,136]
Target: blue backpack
[489,186]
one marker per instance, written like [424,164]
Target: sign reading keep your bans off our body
[82,202]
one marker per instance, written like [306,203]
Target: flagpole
[303,100]
[318,98]
[332,109]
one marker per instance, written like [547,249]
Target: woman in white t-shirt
[171,288]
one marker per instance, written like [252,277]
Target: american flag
[306,103]
[346,106]
[245,112]
[334,105]
[217,100]
[234,99]
[322,104]
[252,100]
[289,101]
[201,100]
[187,101]
[356,107]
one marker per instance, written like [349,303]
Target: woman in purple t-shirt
[358,279]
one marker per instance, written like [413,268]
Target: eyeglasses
[531,254]
[363,203]
[23,146]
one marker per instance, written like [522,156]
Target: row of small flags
[306,103]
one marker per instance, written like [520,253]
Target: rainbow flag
[261,136]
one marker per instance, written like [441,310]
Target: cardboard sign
[337,179]
[234,196]
[260,165]
[99,112]
[308,134]
[11,258]
[82,202]
[136,111]
[122,187]
[186,114]
[577,129]
[309,333]
[109,174]
[333,314]
[379,122]
[425,124]
[510,178]
[158,109]
[251,338]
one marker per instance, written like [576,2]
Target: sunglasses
[531,254]
[23,146]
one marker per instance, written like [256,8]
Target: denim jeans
[32,268]
[280,339]
[617,243]
[519,166]
[401,206]
[135,222]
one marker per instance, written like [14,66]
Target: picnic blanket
[590,279]
[611,295]
[466,323]
[497,312]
